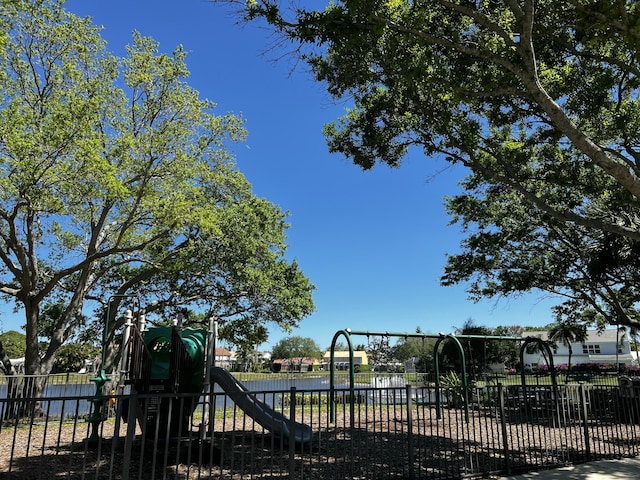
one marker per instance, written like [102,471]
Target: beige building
[341,359]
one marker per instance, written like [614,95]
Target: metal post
[503,425]
[131,435]
[292,433]
[207,410]
[585,423]
[409,392]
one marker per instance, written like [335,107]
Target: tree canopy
[538,98]
[512,248]
[117,178]
[14,343]
[296,347]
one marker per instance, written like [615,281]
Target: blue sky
[374,243]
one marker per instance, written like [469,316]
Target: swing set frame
[441,338]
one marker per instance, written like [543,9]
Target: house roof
[223,352]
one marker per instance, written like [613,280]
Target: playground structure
[168,360]
[171,360]
[178,365]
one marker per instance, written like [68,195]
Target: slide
[259,411]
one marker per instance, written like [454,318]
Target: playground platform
[620,469]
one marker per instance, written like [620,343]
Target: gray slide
[262,413]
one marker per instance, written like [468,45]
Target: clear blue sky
[374,243]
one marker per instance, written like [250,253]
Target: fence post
[503,425]
[132,416]
[585,424]
[410,455]
[292,434]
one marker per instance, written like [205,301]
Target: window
[590,349]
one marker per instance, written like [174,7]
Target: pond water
[65,399]
[74,399]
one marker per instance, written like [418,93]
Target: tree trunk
[566,379]
[10,407]
[32,352]
[33,384]
[6,362]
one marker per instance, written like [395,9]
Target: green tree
[12,345]
[567,332]
[239,276]
[296,347]
[70,357]
[117,178]
[506,351]
[380,352]
[477,351]
[420,349]
[525,92]
[511,248]
[538,98]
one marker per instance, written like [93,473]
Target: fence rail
[386,432]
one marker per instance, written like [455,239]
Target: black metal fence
[391,432]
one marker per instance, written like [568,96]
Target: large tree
[116,178]
[296,346]
[512,248]
[539,97]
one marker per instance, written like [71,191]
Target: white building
[600,347]
[224,358]
[17,364]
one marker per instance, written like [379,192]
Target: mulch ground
[382,442]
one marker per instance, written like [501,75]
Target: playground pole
[126,349]
[332,375]
[101,378]
[207,413]
[463,362]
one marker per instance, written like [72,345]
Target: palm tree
[634,337]
[567,332]
[633,342]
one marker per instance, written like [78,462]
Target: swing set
[440,339]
